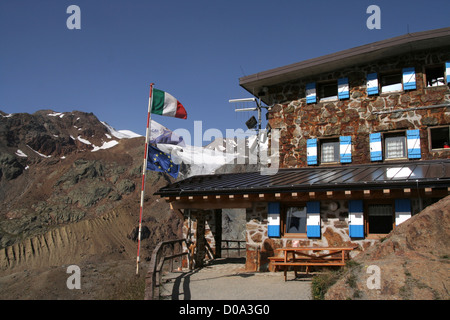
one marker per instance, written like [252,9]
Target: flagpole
[144,170]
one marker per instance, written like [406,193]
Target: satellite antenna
[252,122]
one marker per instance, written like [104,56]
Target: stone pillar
[256,234]
[218,233]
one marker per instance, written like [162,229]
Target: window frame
[283,220]
[393,134]
[390,74]
[367,204]
[434,66]
[430,139]
[320,90]
[334,140]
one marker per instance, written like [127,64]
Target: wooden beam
[329,194]
[277,196]
[211,204]
[312,194]
[294,195]
[366,193]
[407,191]
[386,191]
[348,193]
[428,190]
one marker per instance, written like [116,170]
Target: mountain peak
[52,134]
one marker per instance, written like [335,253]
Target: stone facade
[357,116]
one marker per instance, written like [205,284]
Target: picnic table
[310,256]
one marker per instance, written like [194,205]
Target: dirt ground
[36,269]
[99,281]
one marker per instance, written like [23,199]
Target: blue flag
[161,162]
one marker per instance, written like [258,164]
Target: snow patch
[20,153]
[121,134]
[56,114]
[82,140]
[42,155]
[106,145]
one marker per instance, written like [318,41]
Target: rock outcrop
[413,262]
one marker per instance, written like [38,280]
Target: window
[328,91]
[296,220]
[435,76]
[329,150]
[380,218]
[439,138]
[391,82]
[395,145]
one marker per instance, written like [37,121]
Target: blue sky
[195,50]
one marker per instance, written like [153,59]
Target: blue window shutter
[402,210]
[356,218]
[313,219]
[273,217]
[311,150]
[345,149]
[447,71]
[409,79]
[372,84]
[413,143]
[343,88]
[375,147]
[311,92]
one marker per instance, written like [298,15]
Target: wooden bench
[300,257]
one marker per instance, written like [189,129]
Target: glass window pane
[330,151]
[439,137]
[395,147]
[380,218]
[296,220]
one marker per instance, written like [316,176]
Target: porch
[353,205]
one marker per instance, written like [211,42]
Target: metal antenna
[258,124]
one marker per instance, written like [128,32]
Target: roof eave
[354,56]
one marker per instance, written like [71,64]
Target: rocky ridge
[70,194]
[413,262]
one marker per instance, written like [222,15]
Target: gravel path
[225,280]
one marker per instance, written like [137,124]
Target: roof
[420,174]
[350,57]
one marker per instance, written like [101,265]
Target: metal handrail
[228,248]
[159,257]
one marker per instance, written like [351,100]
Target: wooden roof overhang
[241,190]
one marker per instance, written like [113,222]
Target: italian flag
[165,104]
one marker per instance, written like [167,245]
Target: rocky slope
[413,262]
[69,194]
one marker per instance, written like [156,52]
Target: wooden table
[311,256]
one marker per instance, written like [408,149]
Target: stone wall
[299,121]
[334,232]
